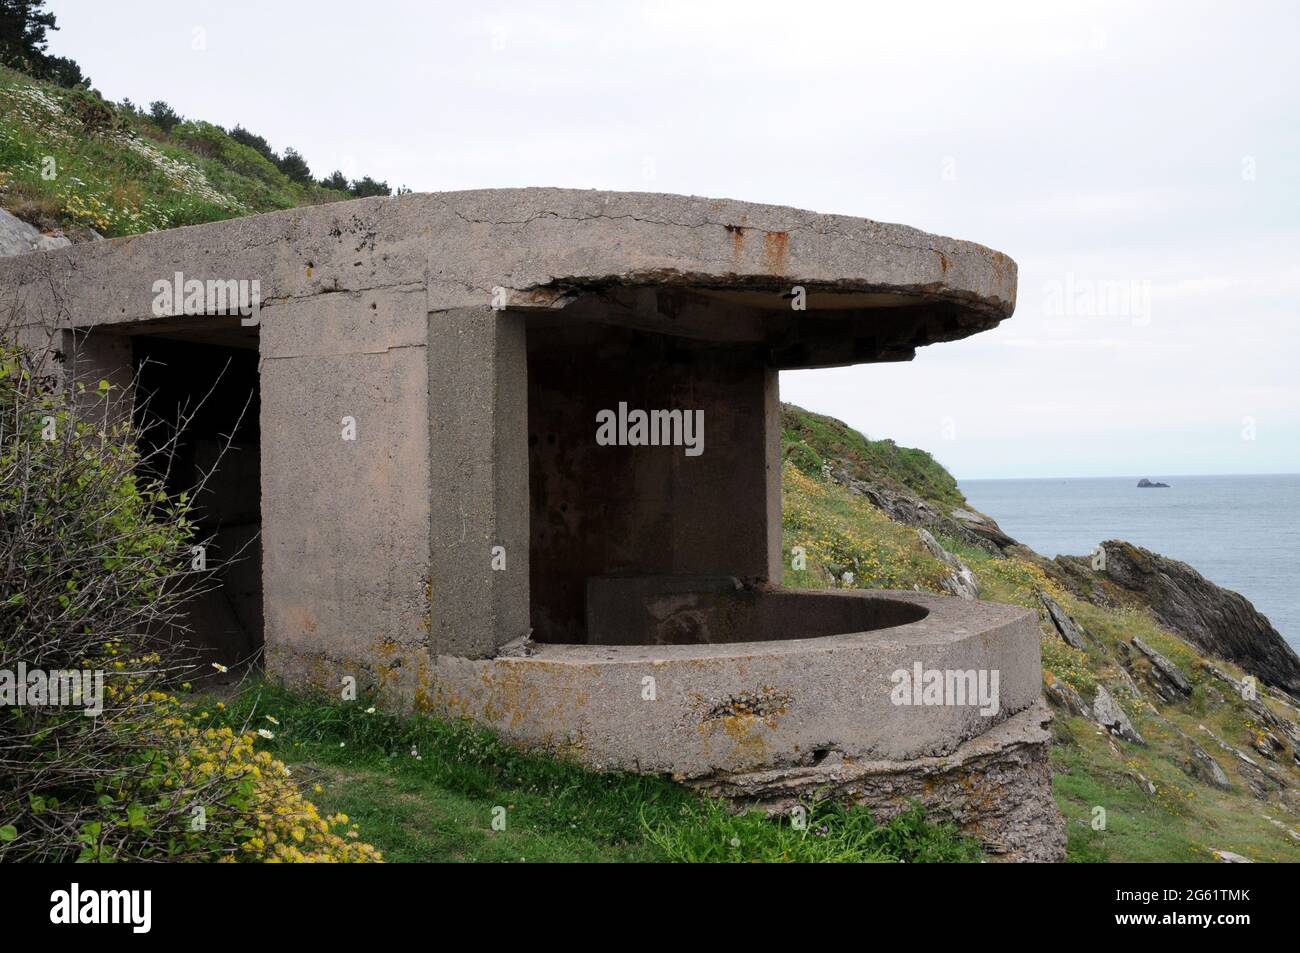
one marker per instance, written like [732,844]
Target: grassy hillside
[71,160]
[1154,809]
[423,789]
[811,440]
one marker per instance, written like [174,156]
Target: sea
[1241,532]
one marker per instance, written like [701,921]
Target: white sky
[1100,145]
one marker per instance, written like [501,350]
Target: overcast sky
[1141,165]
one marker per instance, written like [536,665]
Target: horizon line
[1133,476]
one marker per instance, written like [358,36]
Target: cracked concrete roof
[544,245]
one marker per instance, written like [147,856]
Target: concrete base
[996,787]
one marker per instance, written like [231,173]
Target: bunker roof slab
[544,247]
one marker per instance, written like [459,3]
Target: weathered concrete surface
[604,510]
[345,522]
[749,706]
[538,243]
[381,315]
[996,787]
[478,444]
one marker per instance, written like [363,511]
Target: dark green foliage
[335,180]
[367,186]
[803,457]
[24,29]
[294,166]
[255,142]
[163,116]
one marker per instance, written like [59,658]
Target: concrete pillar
[772,473]
[478,447]
[345,489]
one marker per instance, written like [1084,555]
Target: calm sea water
[1242,532]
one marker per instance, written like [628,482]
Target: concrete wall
[610,510]
[345,523]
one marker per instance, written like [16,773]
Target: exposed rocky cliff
[1217,621]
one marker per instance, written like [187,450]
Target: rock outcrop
[995,787]
[19,238]
[1167,678]
[1215,620]
[903,506]
[960,580]
[1107,713]
[1066,627]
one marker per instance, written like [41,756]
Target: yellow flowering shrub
[256,811]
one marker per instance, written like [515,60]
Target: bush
[95,115]
[335,180]
[367,186]
[163,116]
[295,166]
[254,142]
[94,564]
[804,457]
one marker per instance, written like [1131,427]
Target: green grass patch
[426,789]
[804,433]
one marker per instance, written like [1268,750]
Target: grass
[427,790]
[838,533]
[424,789]
[812,439]
[69,159]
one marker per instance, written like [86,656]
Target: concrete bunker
[440,524]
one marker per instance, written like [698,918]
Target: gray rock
[1066,627]
[1169,679]
[1216,621]
[1202,766]
[16,236]
[960,580]
[903,506]
[1107,713]
[1066,698]
[47,242]
[19,238]
[1228,857]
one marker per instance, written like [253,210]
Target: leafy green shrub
[94,564]
[88,108]
[163,116]
[804,457]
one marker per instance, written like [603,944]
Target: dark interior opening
[211,393]
[647,544]
[600,510]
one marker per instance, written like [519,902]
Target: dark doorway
[197,407]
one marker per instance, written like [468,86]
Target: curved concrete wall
[699,710]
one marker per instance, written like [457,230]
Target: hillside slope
[72,162]
[1160,752]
